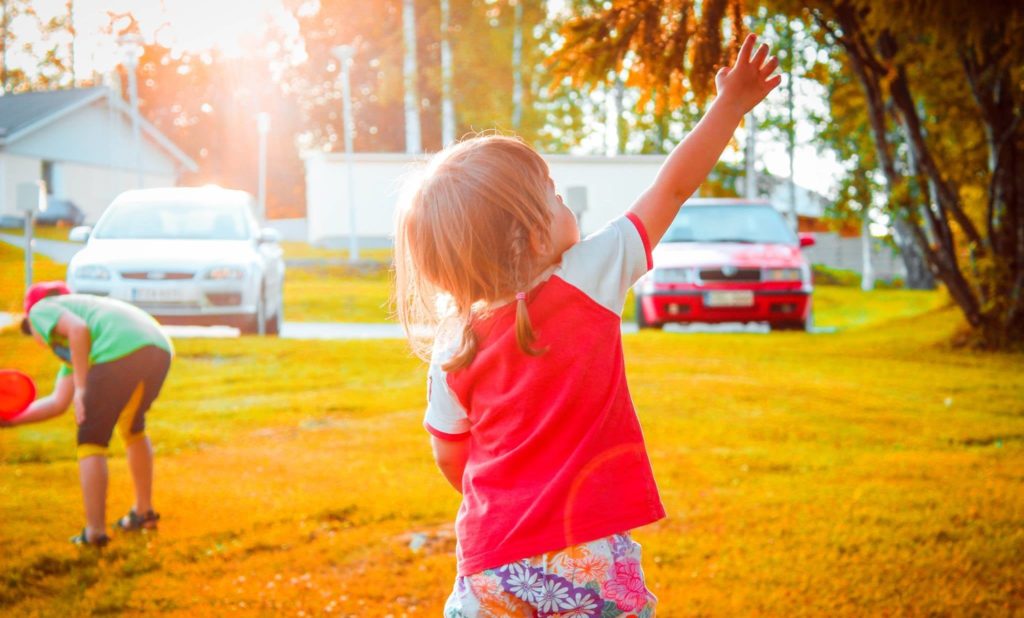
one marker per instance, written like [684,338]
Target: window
[47,176]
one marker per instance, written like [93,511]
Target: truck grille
[155,275]
[730,274]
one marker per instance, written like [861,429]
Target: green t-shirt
[116,328]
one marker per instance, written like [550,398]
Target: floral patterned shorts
[599,579]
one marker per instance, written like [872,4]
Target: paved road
[56,250]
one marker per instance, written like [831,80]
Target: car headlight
[92,271]
[674,275]
[221,273]
[782,274]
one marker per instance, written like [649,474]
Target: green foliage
[650,42]
[48,43]
[481,37]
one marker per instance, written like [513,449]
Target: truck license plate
[731,298]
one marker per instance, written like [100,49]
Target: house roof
[21,114]
[21,111]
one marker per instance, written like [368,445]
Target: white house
[597,188]
[81,143]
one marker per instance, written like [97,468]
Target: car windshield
[175,221]
[742,224]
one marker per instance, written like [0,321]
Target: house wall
[609,187]
[94,159]
[13,171]
[844,253]
[597,188]
[94,135]
[92,188]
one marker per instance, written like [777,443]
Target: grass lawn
[45,232]
[337,294]
[305,251]
[874,471]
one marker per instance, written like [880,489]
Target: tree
[49,47]
[481,35]
[846,131]
[948,75]
[650,40]
[208,103]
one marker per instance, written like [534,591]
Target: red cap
[39,291]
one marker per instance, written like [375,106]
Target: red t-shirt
[556,454]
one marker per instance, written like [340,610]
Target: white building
[81,143]
[597,188]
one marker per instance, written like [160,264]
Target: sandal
[133,521]
[82,540]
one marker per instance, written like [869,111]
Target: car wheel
[808,324]
[272,327]
[641,319]
[781,326]
[252,323]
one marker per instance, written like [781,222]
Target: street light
[31,200]
[130,45]
[344,54]
[263,127]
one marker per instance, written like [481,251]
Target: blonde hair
[471,231]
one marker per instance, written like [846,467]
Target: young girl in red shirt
[528,409]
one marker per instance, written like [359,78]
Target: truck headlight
[674,275]
[782,274]
[92,271]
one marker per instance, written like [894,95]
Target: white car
[186,256]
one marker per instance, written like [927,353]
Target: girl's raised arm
[740,87]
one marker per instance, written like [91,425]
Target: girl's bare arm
[740,87]
[451,459]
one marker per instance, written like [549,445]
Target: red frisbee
[17,391]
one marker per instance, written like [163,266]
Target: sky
[186,25]
[197,25]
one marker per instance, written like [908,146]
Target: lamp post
[263,127]
[31,200]
[344,54]
[130,46]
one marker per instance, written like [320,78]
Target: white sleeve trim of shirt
[444,415]
[608,262]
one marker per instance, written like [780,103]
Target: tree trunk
[621,127]
[913,250]
[919,276]
[517,67]
[413,138]
[3,46]
[447,105]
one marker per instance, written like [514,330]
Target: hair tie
[520,295]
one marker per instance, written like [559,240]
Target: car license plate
[731,298]
[159,295]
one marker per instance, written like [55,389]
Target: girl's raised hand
[750,79]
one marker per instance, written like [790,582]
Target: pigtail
[470,233]
[525,336]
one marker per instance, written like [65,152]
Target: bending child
[115,360]
[528,409]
